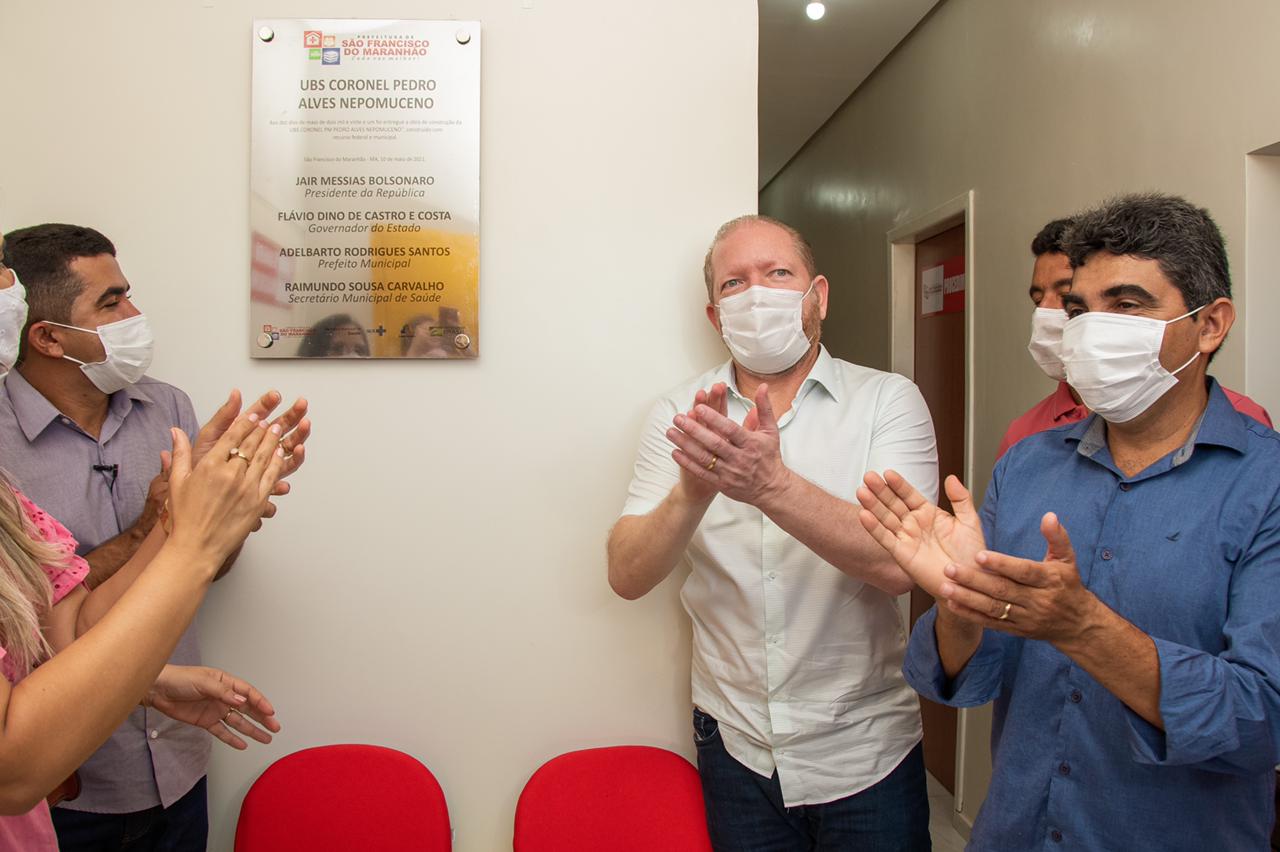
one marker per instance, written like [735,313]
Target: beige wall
[1040,108]
[436,583]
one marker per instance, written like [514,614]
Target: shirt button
[1076,696]
[155,735]
[1106,554]
[1124,486]
[1055,836]
[1064,768]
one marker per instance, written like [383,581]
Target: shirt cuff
[976,684]
[1195,706]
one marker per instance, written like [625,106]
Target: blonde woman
[111,644]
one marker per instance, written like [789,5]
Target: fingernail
[280,452]
[947,589]
[275,430]
[679,421]
[262,424]
[982,556]
[950,571]
[240,699]
[253,417]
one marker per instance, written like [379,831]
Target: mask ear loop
[1186,365]
[1187,314]
[74,328]
[1197,355]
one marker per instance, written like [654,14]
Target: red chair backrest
[621,799]
[344,797]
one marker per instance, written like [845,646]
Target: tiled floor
[941,804]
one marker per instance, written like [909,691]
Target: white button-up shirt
[800,664]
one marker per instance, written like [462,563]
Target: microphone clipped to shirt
[113,469]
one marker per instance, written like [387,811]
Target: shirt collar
[1219,425]
[34,412]
[822,373]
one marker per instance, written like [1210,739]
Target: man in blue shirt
[1135,667]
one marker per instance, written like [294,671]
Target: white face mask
[1113,362]
[13,316]
[764,328]
[1046,341]
[128,345]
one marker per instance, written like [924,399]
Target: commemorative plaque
[365,189]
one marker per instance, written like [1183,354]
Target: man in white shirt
[808,736]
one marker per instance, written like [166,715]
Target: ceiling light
[815,10]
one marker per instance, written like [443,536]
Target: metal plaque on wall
[365,189]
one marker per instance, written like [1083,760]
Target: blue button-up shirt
[1188,550]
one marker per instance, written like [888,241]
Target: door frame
[901,242]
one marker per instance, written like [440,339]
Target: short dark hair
[42,256]
[1049,240]
[1172,231]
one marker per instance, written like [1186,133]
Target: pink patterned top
[34,829]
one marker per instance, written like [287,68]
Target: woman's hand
[214,700]
[294,426]
[215,504]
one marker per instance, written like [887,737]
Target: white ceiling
[808,68]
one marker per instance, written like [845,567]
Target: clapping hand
[717,399]
[217,501]
[1042,599]
[743,462]
[921,537]
[295,428]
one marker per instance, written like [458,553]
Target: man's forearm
[104,595]
[830,528]
[644,549]
[107,558]
[1120,657]
[957,639]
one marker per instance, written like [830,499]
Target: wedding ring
[1004,615]
[711,465]
[230,710]
[235,453]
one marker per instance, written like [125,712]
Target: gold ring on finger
[711,465]
[237,453]
[1005,615]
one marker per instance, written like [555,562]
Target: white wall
[437,581]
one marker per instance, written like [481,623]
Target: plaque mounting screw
[266,33]
[463,37]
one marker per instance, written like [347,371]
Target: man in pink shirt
[1050,280]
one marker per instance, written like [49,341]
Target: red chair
[624,799]
[342,798]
